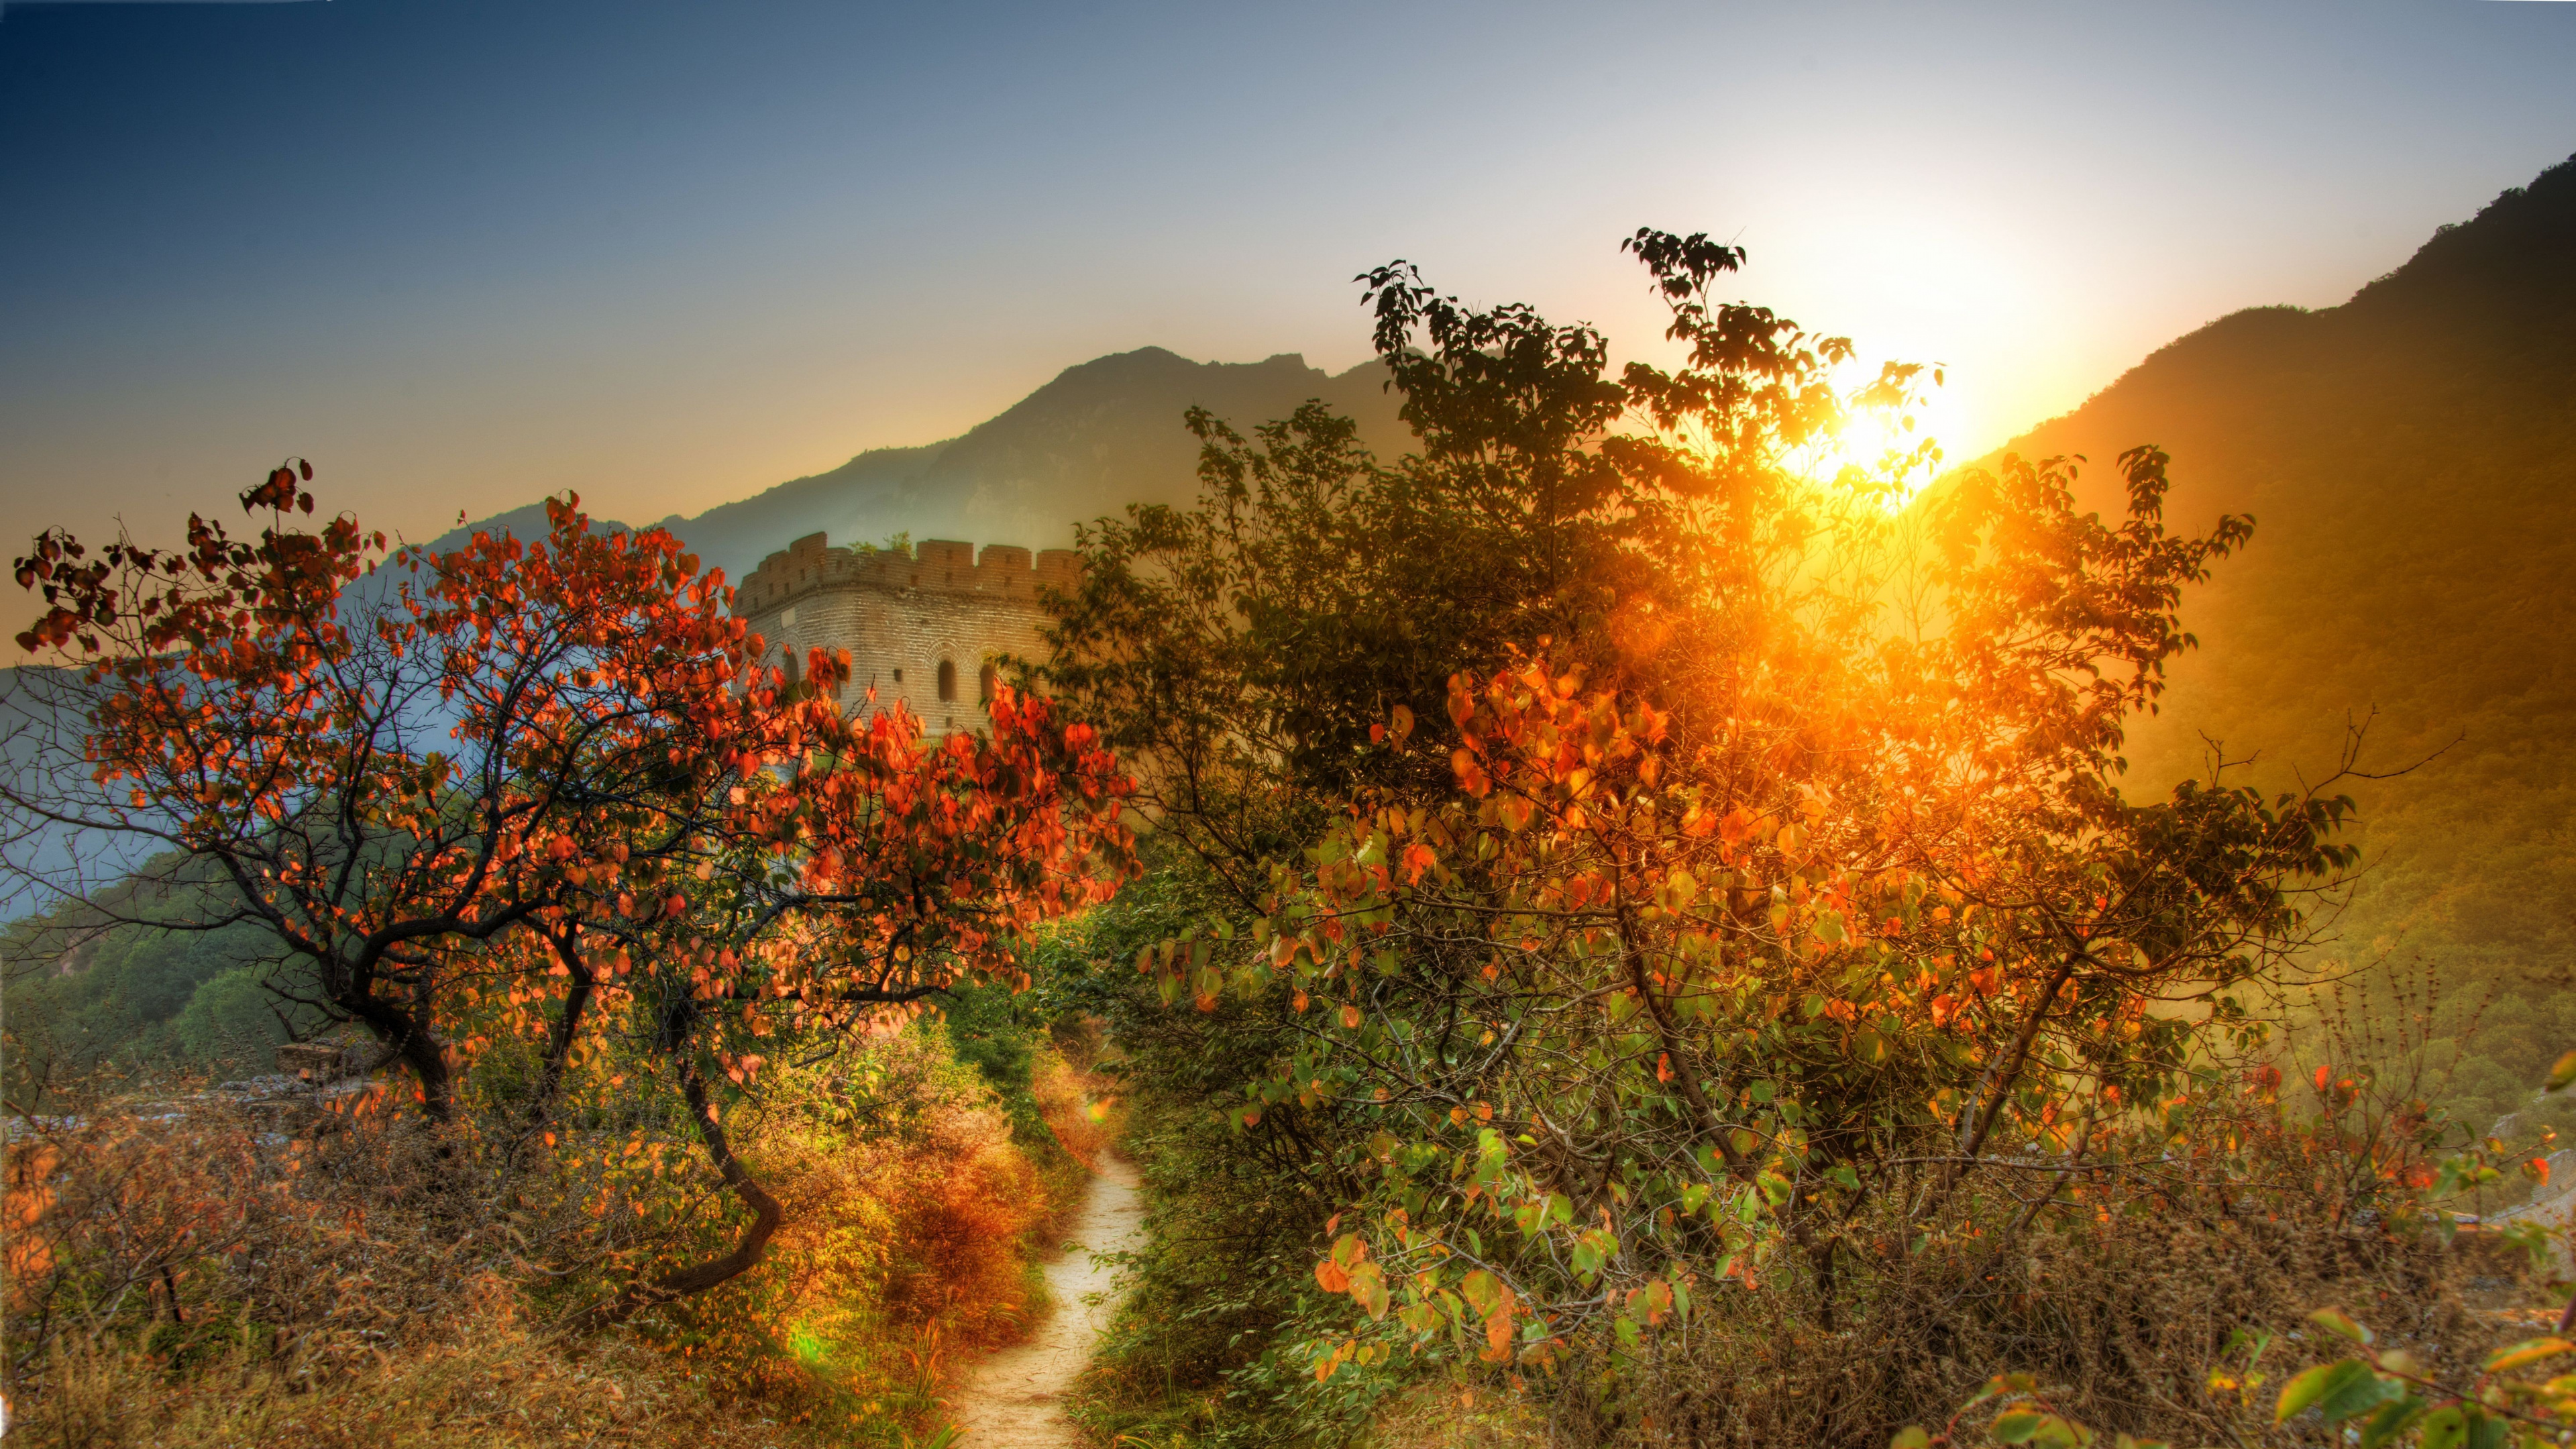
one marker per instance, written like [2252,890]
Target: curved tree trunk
[766,1215]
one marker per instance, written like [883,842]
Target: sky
[465,254]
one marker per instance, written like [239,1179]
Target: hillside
[2410,460]
[1103,434]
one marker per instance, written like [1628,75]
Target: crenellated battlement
[1002,573]
[926,628]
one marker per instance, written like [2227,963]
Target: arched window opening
[947,679]
[985,680]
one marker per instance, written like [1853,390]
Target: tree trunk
[766,1215]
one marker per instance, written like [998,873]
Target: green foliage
[83,997]
[2368,1400]
[1246,650]
[1190,1352]
[1000,1033]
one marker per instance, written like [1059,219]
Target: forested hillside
[2410,461]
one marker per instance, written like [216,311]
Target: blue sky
[462,254]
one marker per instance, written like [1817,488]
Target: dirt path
[1014,1400]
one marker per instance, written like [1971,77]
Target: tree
[1242,651]
[1768,910]
[538,789]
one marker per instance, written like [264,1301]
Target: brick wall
[904,615]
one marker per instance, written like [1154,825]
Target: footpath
[1015,1399]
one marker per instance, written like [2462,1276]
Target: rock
[311,1061]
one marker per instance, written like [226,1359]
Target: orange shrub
[910,1225]
[963,1205]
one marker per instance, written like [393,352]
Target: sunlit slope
[1101,435]
[2410,460]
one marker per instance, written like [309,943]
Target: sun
[1897,447]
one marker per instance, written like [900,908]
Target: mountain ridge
[2407,459]
[1098,436]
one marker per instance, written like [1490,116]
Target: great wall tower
[923,627]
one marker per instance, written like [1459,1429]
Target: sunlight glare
[1887,445]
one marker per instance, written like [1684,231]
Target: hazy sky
[463,254]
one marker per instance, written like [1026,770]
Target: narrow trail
[1015,1399]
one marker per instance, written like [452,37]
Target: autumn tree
[532,796]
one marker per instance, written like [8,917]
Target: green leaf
[2334,1321]
[1368,1288]
[1910,1437]
[1679,890]
[2039,1428]
[2391,1421]
[2002,1384]
[2019,1426]
[2444,1428]
[2356,1394]
[1483,1290]
[2315,1384]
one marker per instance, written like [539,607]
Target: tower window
[985,679]
[947,680]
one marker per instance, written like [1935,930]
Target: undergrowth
[186,1272]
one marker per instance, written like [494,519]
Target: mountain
[2410,460]
[1102,435]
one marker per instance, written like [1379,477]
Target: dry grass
[2132,1323]
[203,1278]
[1461,1415]
[487,1379]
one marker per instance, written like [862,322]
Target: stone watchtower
[923,627]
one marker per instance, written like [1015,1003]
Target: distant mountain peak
[1094,438]
[2495,295]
